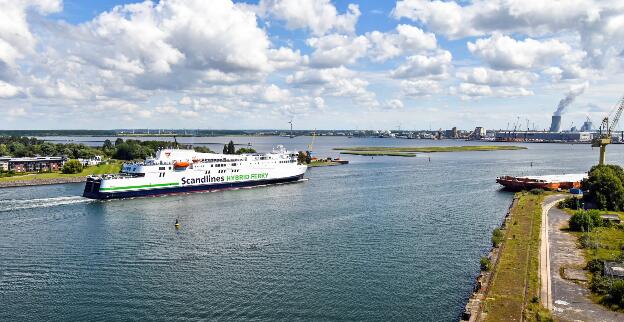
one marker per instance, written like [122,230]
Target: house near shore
[90,162]
[34,164]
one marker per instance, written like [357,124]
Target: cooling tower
[555,125]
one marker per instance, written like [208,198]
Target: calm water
[379,239]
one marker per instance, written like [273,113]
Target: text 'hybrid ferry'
[177,171]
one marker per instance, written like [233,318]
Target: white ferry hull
[92,188]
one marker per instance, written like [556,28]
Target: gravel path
[571,301]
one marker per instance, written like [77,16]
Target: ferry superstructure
[179,171]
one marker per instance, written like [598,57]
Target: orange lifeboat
[181,164]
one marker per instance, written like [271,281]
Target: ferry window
[233,164]
[169,168]
[161,168]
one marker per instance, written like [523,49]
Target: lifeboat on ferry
[181,164]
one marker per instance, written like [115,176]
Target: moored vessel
[547,182]
[180,171]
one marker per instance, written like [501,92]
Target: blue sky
[326,64]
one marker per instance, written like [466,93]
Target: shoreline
[509,287]
[40,182]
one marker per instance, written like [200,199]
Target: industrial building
[542,136]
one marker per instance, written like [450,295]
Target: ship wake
[17,204]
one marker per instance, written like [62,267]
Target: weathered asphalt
[570,301]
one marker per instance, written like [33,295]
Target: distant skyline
[325,64]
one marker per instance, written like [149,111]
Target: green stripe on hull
[141,187]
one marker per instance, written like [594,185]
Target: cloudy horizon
[325,64]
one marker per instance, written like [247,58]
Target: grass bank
[319,163]
[411,151]
[113,167]
[514,291]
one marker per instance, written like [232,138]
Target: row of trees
[231,149]
[29,147]
[119,149]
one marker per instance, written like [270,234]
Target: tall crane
[606,129]
[311,145]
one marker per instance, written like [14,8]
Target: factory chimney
[555,125]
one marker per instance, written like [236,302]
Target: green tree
[225,149]
[18,149]
[301,157]
[604,186]
[308,157]
[108,145]
[245,150]
[4,150]
[72,166]
[119,141]
[231,148]
[202,149]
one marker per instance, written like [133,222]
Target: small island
[412,151]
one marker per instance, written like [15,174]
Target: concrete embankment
[474,307]
[37,182]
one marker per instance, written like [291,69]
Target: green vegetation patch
[514,291]
[431,149]
[113,167]
[319,163]
[379,153]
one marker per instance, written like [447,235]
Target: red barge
[548,182]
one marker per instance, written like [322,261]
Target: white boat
[178,170]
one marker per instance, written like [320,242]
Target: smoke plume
[564,102]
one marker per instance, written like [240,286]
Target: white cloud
[420,88]
[7,90]
[407,39]
[424,66]
[319,16]
[486,76]
[275,94]
[16,112]
[503,52]
[482,17]
[475,91]
[338,82]
[16,39]
[394,104]
[335,50]
[285,57]
[597,23]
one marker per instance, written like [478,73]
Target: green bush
[615,295]
[570,203]
[587,242]
[245,150]
[497,237]
[585,220]
[600,284]
[537,191]
[595,266]
[72,166]
[485,263]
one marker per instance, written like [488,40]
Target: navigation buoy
[177,224]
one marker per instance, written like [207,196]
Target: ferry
[180,171]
